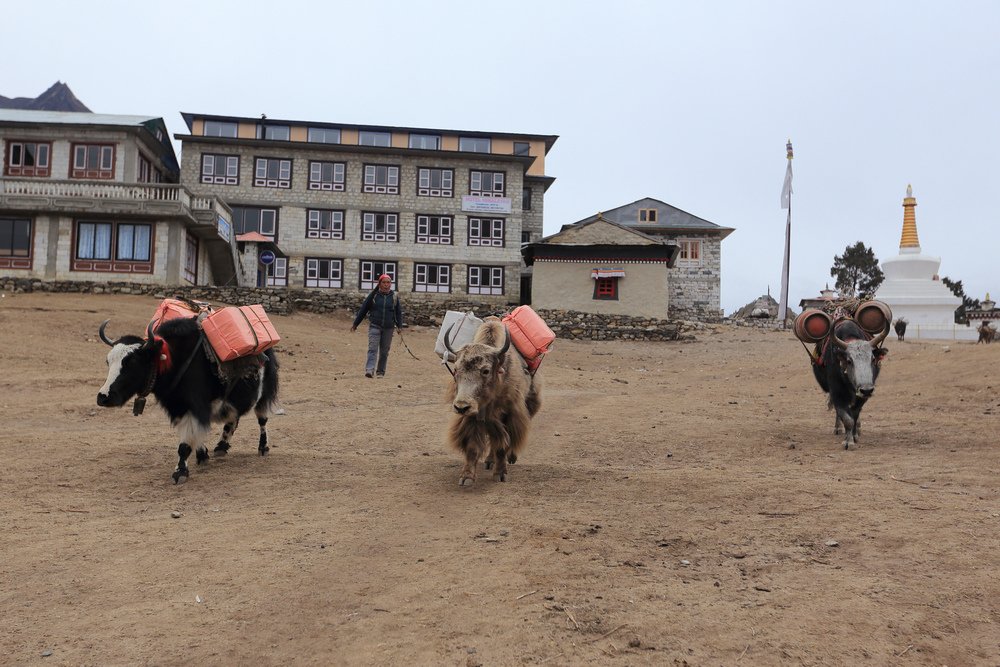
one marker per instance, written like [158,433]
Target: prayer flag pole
[786,202]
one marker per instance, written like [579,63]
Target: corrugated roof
[72,117]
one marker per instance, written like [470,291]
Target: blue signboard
[266,257]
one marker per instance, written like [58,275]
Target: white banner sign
[486,204]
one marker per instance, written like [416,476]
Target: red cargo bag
[530,334]
[239,331]
[171,309]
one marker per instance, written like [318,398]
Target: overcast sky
[688,102]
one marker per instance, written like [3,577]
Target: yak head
[478,368]
[131,364]
[858,358]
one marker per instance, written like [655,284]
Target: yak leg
[857,424]
[262,447]
[191,429]
[848,421]
[474,447]
[500,445]
[222,448]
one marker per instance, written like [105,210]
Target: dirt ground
[677,503]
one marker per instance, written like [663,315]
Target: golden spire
[909,238]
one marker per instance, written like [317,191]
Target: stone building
[95,197]
[599,266]
[330,206]
[692,290]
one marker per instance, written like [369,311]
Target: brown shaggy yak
[493,399]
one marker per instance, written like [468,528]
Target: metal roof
[72,118]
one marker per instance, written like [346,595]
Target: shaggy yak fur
[493,399]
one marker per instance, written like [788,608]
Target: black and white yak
[173,367]
[846,370]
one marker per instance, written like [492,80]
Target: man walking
[384,313]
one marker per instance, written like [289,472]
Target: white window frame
[231,169]
[426,186]
[494,280]
[445,228]
[372,221]
[277,272]
[381,179]
[477,181]
[263,177]
[334,271]
[487,232]
[317,227]
[421,283]
[40,152]
[317,179]
[368,273]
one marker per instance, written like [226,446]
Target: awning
[607,272]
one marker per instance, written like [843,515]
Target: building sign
[485,204]
[266,257]
[225,229]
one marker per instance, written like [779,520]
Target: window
[93,161]
[434,229]
[277,272]
[26,158]
[474,144]
[191,259]
[371,270]
[145,171]
[380,227]
[486,231]
[606,289]
[324,135]
[215,128]
[427,141]
[274,132]
[248,219]
[647,215]
[323,224]
[522,148]
[220,169]
[327,176]
[272,173]
[525,237]
[526,199]
[435,182]
[486,183]
[321,272]
[381,179]
[485,280]
[431,278]
[15,243]
[383,139]
[690,254]
[114,247]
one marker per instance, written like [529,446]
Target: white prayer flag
[786,189]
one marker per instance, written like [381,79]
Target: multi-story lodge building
[332,206]
[87,196]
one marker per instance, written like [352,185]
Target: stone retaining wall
[566,324]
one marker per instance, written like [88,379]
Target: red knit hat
[384,276]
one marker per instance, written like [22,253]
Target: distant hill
[57,98]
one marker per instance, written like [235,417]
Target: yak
[172,365]
[846,370]
[493,399]
[900,328]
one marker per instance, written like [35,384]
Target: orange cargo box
[239,332]
[529,333]
[171,309]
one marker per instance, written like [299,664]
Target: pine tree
[857,272]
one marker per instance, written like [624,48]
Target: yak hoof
[221,449]
[201,455]
[488,464]
[511,457]
[500,477]
[180,475]
[466,481]
[263,449]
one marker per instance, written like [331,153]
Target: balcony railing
[138,192]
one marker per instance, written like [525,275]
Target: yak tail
[268,401]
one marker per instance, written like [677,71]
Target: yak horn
[841,344]
[506,343]
[149,335]
[877,340]
[447,345]
[103,335]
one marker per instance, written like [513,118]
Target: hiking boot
[368,374]
[380,375]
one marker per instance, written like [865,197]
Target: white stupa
[913,289]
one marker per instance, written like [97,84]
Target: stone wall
[418,309]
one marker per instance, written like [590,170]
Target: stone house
[599,266]
[95,197]
[331,206]
[692,288]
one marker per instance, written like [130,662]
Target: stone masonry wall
[417,309]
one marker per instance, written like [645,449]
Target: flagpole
[786,202]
